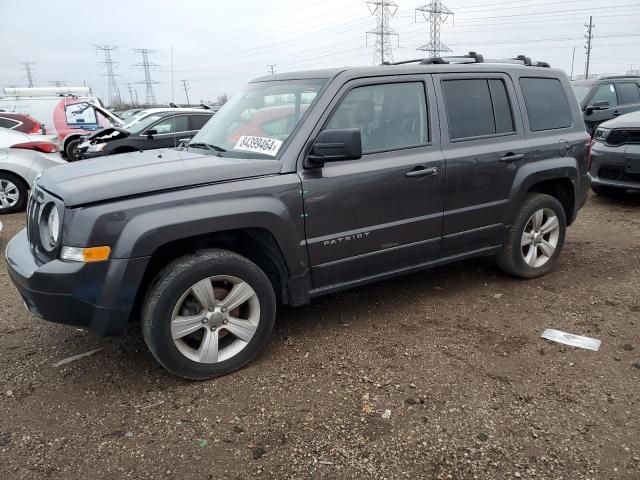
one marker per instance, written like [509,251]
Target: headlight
[96,147]
[53,224]
[602,134]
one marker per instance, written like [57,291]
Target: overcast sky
[219,45]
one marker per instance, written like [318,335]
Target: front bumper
[609,166]
[93,296]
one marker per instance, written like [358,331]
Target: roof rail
[471,57]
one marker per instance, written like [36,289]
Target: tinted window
[389,116]
[198,121]
[477,107]
[629,92]
[172,125]
[8,123]
[605,93]
[546,102]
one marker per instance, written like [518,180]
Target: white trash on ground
[572,340]
[76,357]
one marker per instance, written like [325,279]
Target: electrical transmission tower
[587,47]
[133,103]
[383,10]
[112,87]
[27,68]
[436,14]
[185,85]
[150,98]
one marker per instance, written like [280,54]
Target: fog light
[85,255]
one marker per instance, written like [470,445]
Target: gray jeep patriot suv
[304,184]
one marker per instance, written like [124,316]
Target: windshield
[140,124]
[581,91]
[259,120]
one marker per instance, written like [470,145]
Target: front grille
[621,137]
[614,172]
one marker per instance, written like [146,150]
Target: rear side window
[8,123]
[198,121]
[477,107]
[629,92]
[546,102]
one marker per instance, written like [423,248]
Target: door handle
[512,157]
[422,172]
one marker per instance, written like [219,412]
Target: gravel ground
[440,374]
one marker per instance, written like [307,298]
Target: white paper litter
[76,357]
[386,414]
[572,340]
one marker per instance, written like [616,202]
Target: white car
[22,158]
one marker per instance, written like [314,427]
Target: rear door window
[546,103]
[477,107]
[198,121]
[629,93]
[172,125]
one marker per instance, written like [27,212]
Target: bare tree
[222,99]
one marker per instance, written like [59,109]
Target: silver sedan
[22,158]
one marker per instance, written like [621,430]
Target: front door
[169,131]
[382,213]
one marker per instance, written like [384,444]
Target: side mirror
[601,105]
[150,133]
[336,145]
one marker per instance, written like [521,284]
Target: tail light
[43,147]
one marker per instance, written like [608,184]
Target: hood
[630,120]
[107,134]
[148,171]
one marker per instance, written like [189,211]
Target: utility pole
[131,94]
[150,97]
[383,10]
[272,68]
[112,86]
[186,90]
[587,47]
[57,83]
[436,14]
[27,68]
[573,59]
[173,100]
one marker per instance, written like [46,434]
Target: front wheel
[535,239]
[71,150]
[208,314]
[13,193]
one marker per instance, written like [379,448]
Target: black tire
[606,191]
[22,189]
[169,286]
[70,150]
[511,259]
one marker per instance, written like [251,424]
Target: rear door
[382,213]
[483,144]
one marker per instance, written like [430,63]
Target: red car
[21,122]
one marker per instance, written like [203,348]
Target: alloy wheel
[540,237]
[9,194]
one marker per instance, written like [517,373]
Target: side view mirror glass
[336,145]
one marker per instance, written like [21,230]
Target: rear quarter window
[546,103]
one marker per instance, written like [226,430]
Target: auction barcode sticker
[268,146]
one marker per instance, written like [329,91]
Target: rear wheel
[605,191]
[13,193]
[208,314]
[535,239]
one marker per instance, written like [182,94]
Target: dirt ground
[440,374]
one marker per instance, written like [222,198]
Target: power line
[587,47]
[150,97]
[112,87]
[29,71]
[383,10]
[435,13]
[186,90]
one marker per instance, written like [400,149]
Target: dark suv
[606,98]
[370,173]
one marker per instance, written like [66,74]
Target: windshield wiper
[208,146]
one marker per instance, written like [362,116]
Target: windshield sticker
[267,146]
